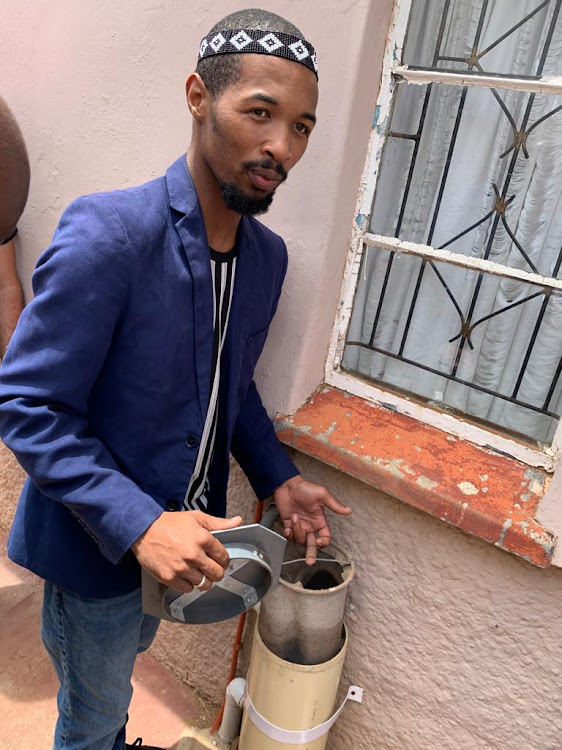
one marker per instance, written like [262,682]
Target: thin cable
[318,560]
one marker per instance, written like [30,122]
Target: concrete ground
[161,706]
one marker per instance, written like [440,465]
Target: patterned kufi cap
[276,43]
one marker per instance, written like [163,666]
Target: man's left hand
[301,507]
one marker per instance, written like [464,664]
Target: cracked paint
[326,434]
[392,407]
[547,85]
[395,466]
[536,488]
[538,535]
[467,488]
[379,125]
[427,483]
[507,525]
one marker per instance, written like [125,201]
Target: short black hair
[14,172]
[220,71]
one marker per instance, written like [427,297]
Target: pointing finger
[310,554]
[335,505]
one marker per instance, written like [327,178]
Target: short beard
[236,200]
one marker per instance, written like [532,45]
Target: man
[14,187]
[129,379]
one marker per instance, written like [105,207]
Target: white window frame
[460,426]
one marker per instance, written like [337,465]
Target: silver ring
[201,582]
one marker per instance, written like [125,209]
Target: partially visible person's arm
[14,187]
[11,294]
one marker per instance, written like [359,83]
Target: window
[452,306]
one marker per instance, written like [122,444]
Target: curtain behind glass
[534,216]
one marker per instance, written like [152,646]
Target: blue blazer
[105,385]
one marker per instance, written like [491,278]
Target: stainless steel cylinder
[301,621]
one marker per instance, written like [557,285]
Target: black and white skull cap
[232,41]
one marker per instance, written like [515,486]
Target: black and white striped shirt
[223,270]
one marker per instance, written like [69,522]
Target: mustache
[267,164]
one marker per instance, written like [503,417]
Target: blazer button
[191,441]
[172,505]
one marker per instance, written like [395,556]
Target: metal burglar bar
[500,215]
[546,293]
[473,60]
[517,145]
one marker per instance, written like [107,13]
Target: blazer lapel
[241,321]
[191,229]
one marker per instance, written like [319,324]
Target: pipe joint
[232,717]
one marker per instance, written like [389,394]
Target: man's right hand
[178,549]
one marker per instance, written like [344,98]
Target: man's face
[258,129]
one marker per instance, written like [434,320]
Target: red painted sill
[491,496]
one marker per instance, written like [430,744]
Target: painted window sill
[491,496]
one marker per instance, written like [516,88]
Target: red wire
[237,640]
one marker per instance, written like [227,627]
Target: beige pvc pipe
[291,696]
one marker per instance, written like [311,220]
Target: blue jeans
[93,644]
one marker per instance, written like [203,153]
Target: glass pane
[460,339]
[509,37]
[476,171]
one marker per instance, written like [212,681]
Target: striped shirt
[223,270]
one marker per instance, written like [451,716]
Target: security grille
[454,289]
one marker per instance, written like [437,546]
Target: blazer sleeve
[58,349]
[254,443]
[257,449]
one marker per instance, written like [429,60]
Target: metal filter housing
[256,555]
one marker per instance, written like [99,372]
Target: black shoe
[138,744]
